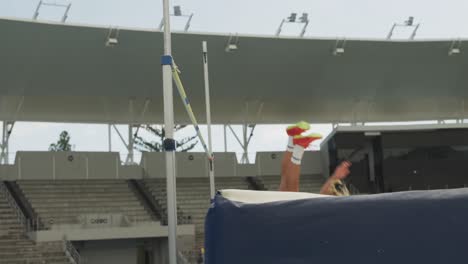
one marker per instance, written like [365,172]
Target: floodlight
[232,43]
[455,51]
[232,47]
[292,18]
[112,42]
[113,37]
[177,11]
[304,18]
[339,48]
[53,4]
[455,47]
[406,23]
[410,21]
[339,51]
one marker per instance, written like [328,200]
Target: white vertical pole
[245,146]
[87,167]
[208,117]
[53,167]
[3,143]
[169,144]
[7,143]
[109,137]
[130,144]
[225,139]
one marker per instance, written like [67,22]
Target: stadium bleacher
[65,192]
[193,199]
[16,247]
[69,201]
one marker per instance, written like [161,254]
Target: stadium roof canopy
[66,73]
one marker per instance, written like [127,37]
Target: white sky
[330,18]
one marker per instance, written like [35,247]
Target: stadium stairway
[16,247]
[62,202]
[193,199]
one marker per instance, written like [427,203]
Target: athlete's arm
[341,172]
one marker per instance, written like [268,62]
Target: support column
[4,144]
[169,142]
[7,128]
[109,137]
[245,141]
[332,156]
[245,146]
[208,118]
[375,163]
[130,159]
[225,139]
[377,149]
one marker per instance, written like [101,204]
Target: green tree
[63,144]
[158,135]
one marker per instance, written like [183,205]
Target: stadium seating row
[16,247]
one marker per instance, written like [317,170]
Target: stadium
[95,207]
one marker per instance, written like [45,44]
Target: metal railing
[353,189]
[181,259]
[71,252]
[11,201]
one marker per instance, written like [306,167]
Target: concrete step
[11,221]
[71,192]
[73,185]
[74,220]
[47,216]
[81,194]
[26,253]
[15,242]
[7,216]
[184,194]
[90,209]
[4,211]
[186,207]
[74,192]
[18,246]
[82,199]
[4,227]
[77,204]
[38,260]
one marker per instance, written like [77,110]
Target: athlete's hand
[342,171]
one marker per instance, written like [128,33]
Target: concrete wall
[153,164]
[122,251]
[106,165]
[190,164]
[130,172]
[8,172]
[225,164]
[269,163]
[67,165]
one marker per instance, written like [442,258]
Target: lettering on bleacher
[101,220]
